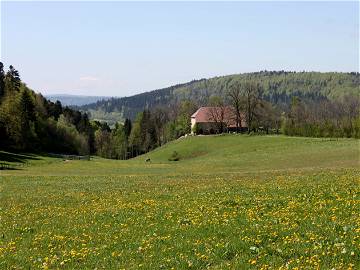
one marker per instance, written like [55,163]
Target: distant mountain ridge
[279,88]
[75,100]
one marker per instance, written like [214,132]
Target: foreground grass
[276,207]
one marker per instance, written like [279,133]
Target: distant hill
[75,100]
[279,88]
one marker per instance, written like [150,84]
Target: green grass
[231,202]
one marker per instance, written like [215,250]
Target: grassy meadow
[230,202]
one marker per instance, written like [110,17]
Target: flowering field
[82,215]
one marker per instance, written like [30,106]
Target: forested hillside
[279,87]
[30,122]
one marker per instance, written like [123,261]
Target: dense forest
[279,88]
[30,122]
[321,105]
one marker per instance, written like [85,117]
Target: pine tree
[2,81]
[27,105]
[12,81]
[27,116]
[127,127]
[148,132]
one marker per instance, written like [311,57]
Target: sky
[125,48]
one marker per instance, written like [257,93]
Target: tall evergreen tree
[12,81]
[148,132]
[127,127]
[2,81]
[27,105]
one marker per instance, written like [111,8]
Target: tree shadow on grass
[9,169]
[16,157]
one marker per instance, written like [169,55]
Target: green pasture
[230,202]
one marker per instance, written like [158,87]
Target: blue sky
[124,48]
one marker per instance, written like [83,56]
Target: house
[213,120]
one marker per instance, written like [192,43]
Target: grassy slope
[231,202]
[231,153]
[212,155]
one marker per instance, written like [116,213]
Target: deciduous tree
[252,93]
[236,98]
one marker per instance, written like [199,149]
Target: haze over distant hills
[279,88]
[75,100]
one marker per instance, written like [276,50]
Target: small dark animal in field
[147,160]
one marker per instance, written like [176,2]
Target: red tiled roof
[205,115]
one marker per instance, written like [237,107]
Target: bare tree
[236,100]
[252,93]
[268,116]
[218,113]
[351,110]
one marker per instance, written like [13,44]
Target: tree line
[340,118]
[303,117]
[29,122]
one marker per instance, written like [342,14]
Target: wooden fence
[5,166]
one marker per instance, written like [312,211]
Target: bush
[174,156]
[71,140]
[196,129]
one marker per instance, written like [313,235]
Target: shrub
[196,129]
[174,156]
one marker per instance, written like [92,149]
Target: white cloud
[88,78]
